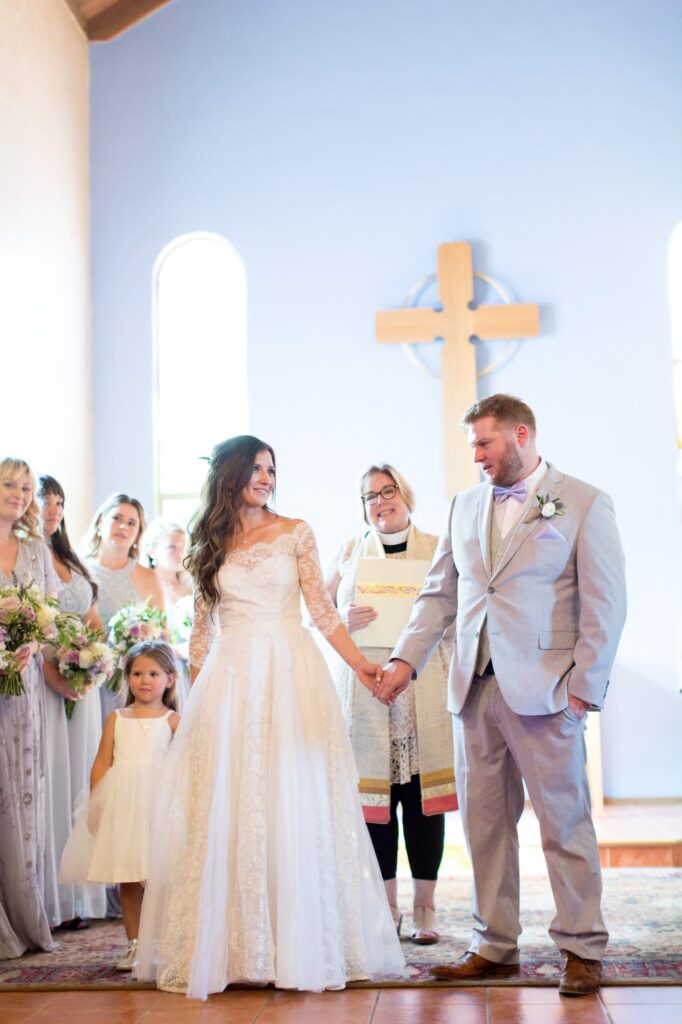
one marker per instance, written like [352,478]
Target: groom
[531,570]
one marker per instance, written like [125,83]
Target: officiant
[403,752]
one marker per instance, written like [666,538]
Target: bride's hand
[369,674]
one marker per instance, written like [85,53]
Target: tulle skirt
[112,835]
[262,868]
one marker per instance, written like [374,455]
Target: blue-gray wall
[336,145]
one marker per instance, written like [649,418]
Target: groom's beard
[510,468]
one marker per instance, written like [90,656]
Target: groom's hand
[578,705]
[397,675]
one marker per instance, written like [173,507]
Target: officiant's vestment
[539,605]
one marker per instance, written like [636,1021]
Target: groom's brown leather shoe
[471,966]
[579,977]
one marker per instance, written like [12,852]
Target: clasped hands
[388,682]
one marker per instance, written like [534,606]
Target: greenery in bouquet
[129,626]
[27,620]
[82,657]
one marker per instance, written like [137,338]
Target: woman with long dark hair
[264,872]
[71,745]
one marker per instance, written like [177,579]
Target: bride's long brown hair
[215,524]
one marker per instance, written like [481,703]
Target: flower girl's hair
[28,527]
[92,541]
[215,522]
[162,653]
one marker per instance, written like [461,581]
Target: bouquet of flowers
[130,626]
[27,619]
[82,657]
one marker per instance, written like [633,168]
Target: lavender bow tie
[518,491]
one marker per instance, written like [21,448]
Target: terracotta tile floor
[361,1006]
[625,826]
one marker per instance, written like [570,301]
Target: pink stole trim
[440,804]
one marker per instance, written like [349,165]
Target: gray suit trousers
[495,749]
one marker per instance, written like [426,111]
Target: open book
[391,586]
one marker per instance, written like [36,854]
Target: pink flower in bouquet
[9,606]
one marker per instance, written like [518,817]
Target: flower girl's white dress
[112,838]
[263,870]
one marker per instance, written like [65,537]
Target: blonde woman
[404,752]
[112,552]
[163,549]
[24,558]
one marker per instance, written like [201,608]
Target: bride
[263,871]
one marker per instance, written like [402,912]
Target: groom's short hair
[504,408]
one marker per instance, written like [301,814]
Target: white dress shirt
[510,512]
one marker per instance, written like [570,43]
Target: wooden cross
[457,323]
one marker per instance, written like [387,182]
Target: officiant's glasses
[386,493]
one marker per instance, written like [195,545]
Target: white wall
[44,246]
[336,145]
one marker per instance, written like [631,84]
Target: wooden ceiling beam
[78,14]
[120,16]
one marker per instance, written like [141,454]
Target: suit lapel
[550,484]
[485,510]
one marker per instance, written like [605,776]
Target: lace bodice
[116,588]
[76,594]
[260,589]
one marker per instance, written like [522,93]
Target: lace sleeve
[203,631]
[315,593]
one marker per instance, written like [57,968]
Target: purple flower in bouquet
[28,619]
[129,626]
[82,657]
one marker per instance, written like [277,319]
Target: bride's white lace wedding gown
[263,871]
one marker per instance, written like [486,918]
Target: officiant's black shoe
[579,977]
[472,966]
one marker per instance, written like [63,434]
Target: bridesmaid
[113,550]
[163,547]
[71,744]
[24,558]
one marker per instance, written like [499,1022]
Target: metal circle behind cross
[412,351]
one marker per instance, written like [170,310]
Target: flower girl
[112,836]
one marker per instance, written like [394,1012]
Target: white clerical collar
[393,538]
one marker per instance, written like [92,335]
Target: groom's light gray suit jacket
[555,604]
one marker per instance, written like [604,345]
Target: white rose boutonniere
[550,507]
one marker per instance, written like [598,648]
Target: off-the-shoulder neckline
[267,543]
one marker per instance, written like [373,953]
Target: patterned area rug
[643,910]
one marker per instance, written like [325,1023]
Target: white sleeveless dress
[263,870]
[112,838]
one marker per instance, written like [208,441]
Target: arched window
[675,291]
[200,384]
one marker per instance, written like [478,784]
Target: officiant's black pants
[424,834]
